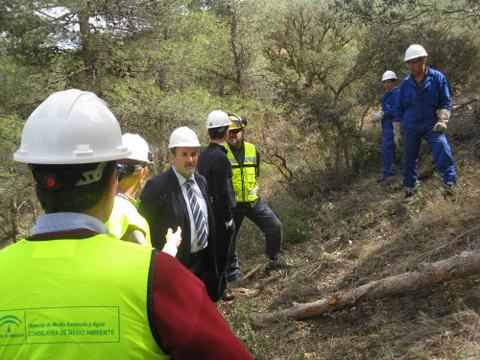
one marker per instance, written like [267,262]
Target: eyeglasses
[235,131]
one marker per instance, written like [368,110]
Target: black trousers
[262,216]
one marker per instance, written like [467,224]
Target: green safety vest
[75,299]
[244,179]
[125,214]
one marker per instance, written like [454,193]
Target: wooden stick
[253,271]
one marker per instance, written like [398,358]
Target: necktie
[198,217]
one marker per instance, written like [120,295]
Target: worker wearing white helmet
[185,203]
[125,222]
[387,117]
[76,291]
[423,109]
[214,165]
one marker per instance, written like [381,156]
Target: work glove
[443,116]
[173,240]
[377,116]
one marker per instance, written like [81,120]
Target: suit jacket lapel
[184,250]
[178,193]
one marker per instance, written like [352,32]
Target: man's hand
[443,117]
[230,229]
[229,224]
[173,241]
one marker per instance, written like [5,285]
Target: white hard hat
[218,118]
[138,146]
[183,137]
[389,75]
[415,51]
[71,127]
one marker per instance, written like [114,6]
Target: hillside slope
[368,233]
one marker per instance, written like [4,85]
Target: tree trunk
[236,54]
[87,52]
[427,275]
[14,214]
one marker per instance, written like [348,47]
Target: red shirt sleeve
[184,320]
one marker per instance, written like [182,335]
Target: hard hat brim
[24,157]
[414,57]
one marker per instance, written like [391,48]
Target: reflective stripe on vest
[76,299]
[125,214]
[244,179]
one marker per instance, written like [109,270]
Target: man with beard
[245,161]
[179,198]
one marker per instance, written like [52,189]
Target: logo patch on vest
[12,327]
[78,324]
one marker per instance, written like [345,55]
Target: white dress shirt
[194,247]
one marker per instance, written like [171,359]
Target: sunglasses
[121,168]
[128,169]
[235,131]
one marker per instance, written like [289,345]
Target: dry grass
[365,234]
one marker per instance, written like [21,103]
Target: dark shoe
[276,265]
[449,189]
[234,277]
[409,195]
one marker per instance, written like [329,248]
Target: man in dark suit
[179,197]
[215,166]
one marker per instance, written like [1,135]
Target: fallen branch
[244,291]
[427,275]
[253,271]
[459,106]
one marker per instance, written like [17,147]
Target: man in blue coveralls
[387,117]
[423,109]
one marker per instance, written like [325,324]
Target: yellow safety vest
[75,299]
[125,214]
[244,179]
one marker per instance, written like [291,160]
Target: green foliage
[296,219]
[10,131]
[306,73]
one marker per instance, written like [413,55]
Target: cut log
[426,275]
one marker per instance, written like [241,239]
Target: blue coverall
[416,110]
[388,101]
